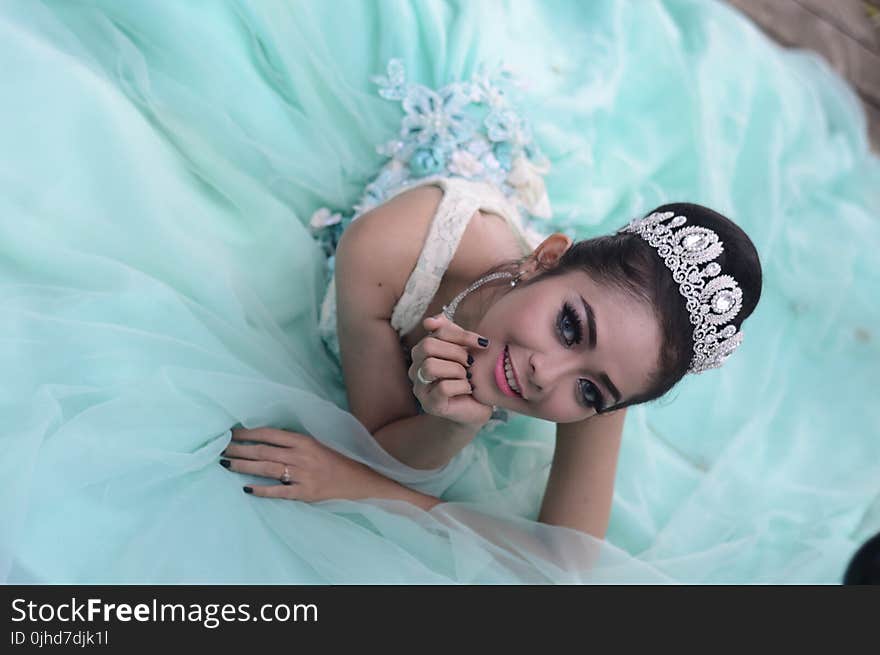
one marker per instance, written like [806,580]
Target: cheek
[562,407]
[558,408]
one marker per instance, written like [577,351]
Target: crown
[713,300]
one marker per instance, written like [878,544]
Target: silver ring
[285,478]
[422,379]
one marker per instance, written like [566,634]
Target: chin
[481,396]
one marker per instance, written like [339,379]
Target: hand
[443,359]
[316,471]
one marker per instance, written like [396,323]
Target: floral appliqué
[468,129]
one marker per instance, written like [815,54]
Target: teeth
[509,373]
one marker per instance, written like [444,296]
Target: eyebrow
[591,324]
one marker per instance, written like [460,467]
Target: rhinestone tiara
[711,303]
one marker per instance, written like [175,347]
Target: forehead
[628,335]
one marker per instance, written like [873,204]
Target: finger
[290,492]
[259,452]
[263,469]
[443,328]
[469,406]
[450,388]
[273,436]
[434,347]
[434,369]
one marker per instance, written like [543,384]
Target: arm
[391,490]
[373,261]
[510,540]
[438,440]
[581,485]
[321,473]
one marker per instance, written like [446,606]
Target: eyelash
[568,313]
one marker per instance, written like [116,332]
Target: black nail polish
[224,463]
[470,359]
[248,490]
[483,341]
[468,375]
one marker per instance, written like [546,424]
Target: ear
[546,255]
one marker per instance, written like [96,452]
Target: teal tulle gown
[161,283]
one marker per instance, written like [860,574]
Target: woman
[161,285]
[540,340]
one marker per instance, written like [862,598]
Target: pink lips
[501,379]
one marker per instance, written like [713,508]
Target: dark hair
[630,264]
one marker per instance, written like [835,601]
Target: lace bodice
[461,199]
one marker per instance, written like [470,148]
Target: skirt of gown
[160,286]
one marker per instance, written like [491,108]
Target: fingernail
[248,490]
[483,341]
[468,375]
[470,359]
[224,463]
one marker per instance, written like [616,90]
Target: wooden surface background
[845,32]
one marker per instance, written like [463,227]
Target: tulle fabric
[159,286]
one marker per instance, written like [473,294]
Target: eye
[569,321]
[592,395]
[572,332]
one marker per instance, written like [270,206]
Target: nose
[545,370]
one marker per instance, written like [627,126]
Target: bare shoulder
[380,249]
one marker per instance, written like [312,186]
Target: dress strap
[458,205]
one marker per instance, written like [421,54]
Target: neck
[474,305]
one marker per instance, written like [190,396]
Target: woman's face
[567,361]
